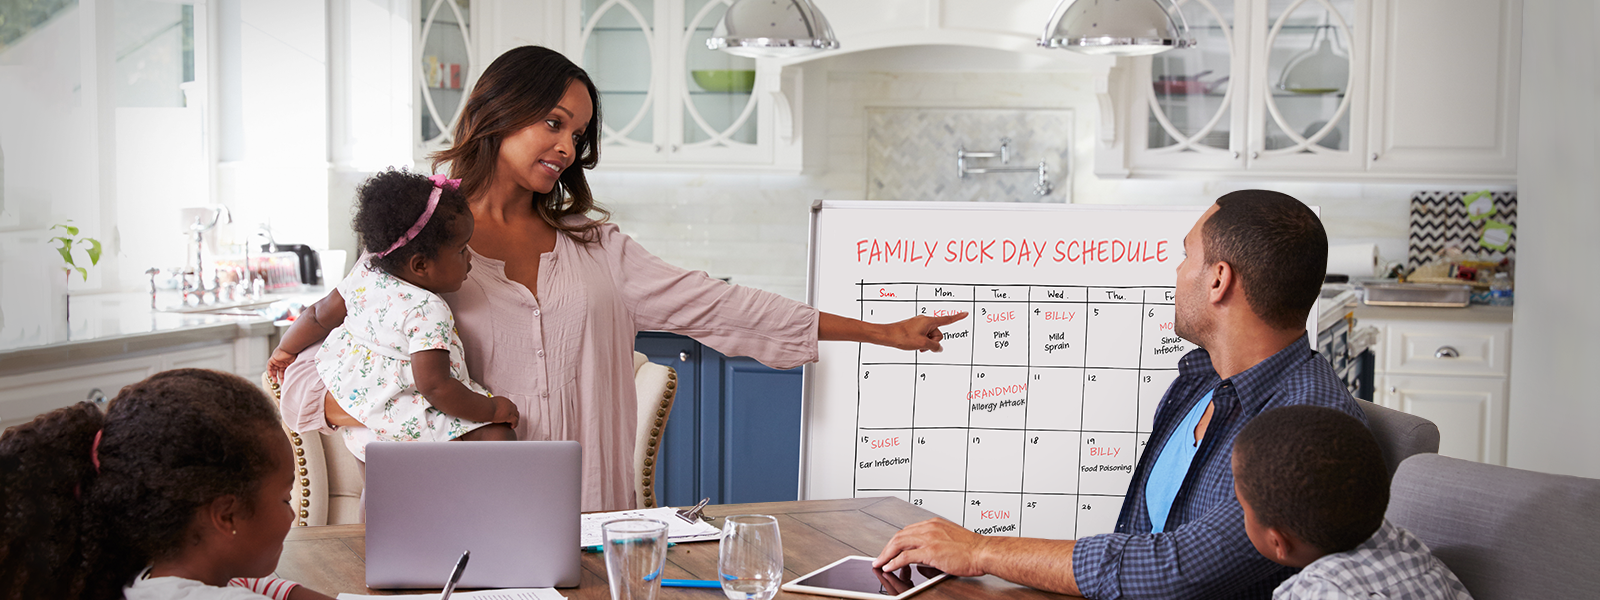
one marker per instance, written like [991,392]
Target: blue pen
[597,549]
[691,583]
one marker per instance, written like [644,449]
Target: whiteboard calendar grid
[991,495]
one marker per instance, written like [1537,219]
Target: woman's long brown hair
[518,89]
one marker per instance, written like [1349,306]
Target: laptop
[515,505]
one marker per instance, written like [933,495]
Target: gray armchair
[1507,533]
[1399,434]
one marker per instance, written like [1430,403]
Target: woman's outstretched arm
[916,333]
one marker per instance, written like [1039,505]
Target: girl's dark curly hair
[169,445]
[389,203]
[518,89]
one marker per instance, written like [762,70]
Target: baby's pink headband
[440,182]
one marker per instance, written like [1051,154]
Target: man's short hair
[1313,472]
[1277,246]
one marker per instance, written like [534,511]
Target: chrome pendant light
[1117,27]
[772,28]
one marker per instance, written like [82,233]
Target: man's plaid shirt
[1204,552]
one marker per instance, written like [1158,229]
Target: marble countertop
[1476,313]
[112,325]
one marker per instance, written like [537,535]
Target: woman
[554,299]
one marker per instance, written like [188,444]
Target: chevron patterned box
[1439,220]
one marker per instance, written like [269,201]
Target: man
[1252,269]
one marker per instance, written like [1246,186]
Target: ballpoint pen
[455,575]
[690,583]
[597,548]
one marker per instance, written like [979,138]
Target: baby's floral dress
[366,362]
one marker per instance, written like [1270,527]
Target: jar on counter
[1500,292]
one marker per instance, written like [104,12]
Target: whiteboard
[1031,420]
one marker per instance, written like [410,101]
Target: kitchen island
[117,339]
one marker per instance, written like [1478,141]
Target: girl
[393,361]
[179,487]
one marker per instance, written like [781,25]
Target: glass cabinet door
[444,52]
[616,39]
[1191,91]
[718,107]
[1313,74]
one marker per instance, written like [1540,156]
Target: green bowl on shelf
[724,80]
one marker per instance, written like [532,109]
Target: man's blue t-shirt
[1172,465]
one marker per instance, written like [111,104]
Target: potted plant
[70,239]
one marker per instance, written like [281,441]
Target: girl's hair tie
[94,450]
[440,183]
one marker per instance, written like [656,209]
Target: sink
[238,307]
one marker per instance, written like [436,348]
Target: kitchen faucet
[198,230]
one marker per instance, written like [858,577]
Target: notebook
[515,505]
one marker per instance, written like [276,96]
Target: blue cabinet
[734,433]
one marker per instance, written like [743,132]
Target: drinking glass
[750,557]
[636,550]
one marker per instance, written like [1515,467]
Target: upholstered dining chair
[329,480]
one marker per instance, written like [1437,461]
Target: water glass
[636,551]
[750,557]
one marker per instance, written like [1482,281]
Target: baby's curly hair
[389,203]
[168,445]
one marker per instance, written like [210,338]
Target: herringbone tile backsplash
[911,153]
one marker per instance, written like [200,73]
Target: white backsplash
[753,228]
[911,154]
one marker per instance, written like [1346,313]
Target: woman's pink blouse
[565,358]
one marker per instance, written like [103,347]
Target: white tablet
[854,577]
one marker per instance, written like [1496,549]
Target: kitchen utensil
[310,268]
[1187,84]
[1320,69]
[1417,294]
[724,80]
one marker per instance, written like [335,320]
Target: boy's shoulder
[1392,563]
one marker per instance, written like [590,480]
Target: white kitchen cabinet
[446,60]
[667,99]
[27,395]
[1452,372]
[1470,411]
[1415,100]
[1445,87]
[23,397]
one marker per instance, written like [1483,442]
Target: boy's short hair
[1313,472]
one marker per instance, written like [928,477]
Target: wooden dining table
[332,559]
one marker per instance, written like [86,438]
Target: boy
[1314,489]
